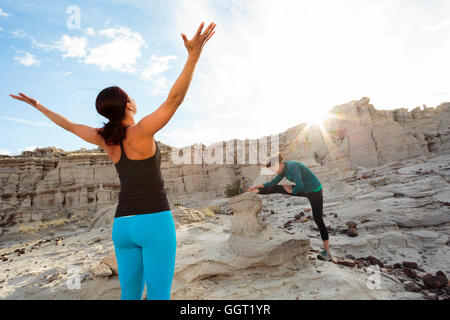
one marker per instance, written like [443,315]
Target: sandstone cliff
[50,184]
[385,178]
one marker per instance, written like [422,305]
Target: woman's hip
[144,229]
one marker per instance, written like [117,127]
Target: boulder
[352,232]
[435,282]
[375,261]
[432,296]
[111,262]
[410,273]
[351,224]
[411,286]
[251,238]
[101,270]
[304,219]
[183,215]
[410,265]
[346,262]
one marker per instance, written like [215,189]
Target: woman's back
[141,184]
[310,181]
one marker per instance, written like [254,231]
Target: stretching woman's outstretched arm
[155,121]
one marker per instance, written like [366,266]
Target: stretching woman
[306,185]
[143,230]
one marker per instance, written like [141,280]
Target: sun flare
[316,117]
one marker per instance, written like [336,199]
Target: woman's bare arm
[155,121]
[152,123]
[86,133]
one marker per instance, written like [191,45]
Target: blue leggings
[145,246]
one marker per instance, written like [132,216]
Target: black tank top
[141,185]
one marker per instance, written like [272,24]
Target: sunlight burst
[316,117]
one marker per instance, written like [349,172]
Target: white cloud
[89,32]
[197,132]
[19,33]
[156,66]
[438,27]
[1,28]
[3,13]
[18,151]
[5,152]
[40,45]
[27,59]
[73,47]
[31,123]
[160,86]
[268,66]
[28,148]
[120,54]
[58,73]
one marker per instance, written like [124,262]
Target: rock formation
[209,249]
[386,172]
[251,238]
[49,183]
[184,215]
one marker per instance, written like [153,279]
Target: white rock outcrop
[388,171]
[50,183]
[252,238]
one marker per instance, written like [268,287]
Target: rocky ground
[389,233]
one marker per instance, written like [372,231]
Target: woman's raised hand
[23,97]
[195,45]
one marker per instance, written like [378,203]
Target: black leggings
[315,199]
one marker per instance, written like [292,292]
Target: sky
[270,65]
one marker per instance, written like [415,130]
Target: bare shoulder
[138,144]
[139,133]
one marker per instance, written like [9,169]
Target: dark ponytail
[111,103]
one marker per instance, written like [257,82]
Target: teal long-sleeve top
[302,176]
